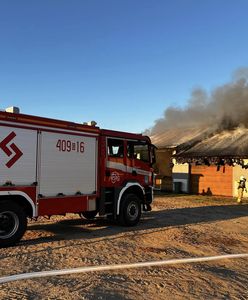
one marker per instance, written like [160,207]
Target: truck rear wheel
[13,223]
[130,210]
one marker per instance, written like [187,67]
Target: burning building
[204,147]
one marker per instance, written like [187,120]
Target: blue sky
[120,63]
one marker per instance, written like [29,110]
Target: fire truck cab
[53,167]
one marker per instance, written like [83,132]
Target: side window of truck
[115,148]
[138,150]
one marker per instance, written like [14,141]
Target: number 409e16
[68,146]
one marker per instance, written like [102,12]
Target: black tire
[13,223]
[89,215]
[130,210]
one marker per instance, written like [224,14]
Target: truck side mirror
[153,154]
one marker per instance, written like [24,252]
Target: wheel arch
[130,188]
[21,199]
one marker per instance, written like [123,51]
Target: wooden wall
[163,169]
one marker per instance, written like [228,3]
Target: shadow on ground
[84,230]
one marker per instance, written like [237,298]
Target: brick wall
[210,181]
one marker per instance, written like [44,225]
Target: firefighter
[241,188]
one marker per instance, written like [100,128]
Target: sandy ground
[178,227]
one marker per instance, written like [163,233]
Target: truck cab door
[115,166]
[138,161]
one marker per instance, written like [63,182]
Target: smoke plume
[225,108]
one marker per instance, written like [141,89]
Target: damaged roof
[231,143]
[202,143]
[172,138]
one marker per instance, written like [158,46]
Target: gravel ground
[180,226]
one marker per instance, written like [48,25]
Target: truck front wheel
[130,210]
[13,223]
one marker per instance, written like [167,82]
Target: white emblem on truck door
[115,176]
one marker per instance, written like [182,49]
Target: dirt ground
[178,227]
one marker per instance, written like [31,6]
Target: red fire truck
[52,167]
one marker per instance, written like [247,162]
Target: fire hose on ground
[40,274]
